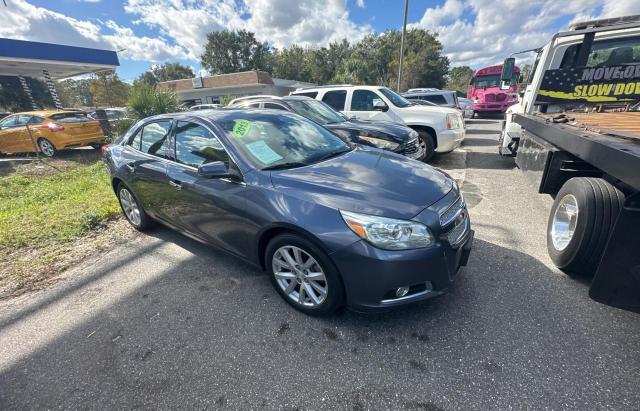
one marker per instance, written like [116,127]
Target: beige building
[213,89]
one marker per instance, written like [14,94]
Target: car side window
[435,98]
[311,94]
[8,122]
[196,145]
[154,138]
[273,106]
[35,120]
[135,141]
[335,99]
[23,119]
[365,100]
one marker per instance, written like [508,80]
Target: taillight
[52,127]
[103,148]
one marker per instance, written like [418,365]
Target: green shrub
[145,101]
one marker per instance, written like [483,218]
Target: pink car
[485,91]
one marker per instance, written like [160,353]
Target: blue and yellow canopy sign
[600,84]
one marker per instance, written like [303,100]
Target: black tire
[145,221]
[598,205]
[46,147]
[428,140]
[335,298]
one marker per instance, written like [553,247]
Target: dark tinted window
[335,99]
[311,94]
[35,120]
[70,117]
[135,142]
[365,100]
[605,52]
[23,119]
[196,145]
[436,98]
[154,138]
[273,106]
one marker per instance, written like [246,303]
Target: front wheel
[581,219]
[303,275]
[427,143]
[46,147]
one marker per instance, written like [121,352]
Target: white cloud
[484,32]
[360,3]
[24,21]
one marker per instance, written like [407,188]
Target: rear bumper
[449,140]
[371,275]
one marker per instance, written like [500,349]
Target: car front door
[145,166]
[14,137]
[368,105]
[208,208]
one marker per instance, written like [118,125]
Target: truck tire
[582,216]
[427,141]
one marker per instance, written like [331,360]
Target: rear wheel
[303,275]
[46,147]
[427,143]
[580,222]
[132,210]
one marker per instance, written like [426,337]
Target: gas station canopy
[29,59]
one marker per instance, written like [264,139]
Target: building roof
[219,81]
[29,58]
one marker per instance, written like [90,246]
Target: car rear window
[335,99]
[70,117]
[311,94]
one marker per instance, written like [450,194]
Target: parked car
[422,102]
[205,106]
[382,134]
[332,223]
[441,129]
[113,114]
[3,114]
[467,106]
[51,131]
[443,98]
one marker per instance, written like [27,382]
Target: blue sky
[473,32]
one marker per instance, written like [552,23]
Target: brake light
[52,127]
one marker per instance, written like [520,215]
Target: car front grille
[455,222]
[412,149]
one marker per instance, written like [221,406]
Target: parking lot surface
[166,322]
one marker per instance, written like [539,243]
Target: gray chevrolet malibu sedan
[333,224]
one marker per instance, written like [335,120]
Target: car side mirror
[380,107]
[218,169]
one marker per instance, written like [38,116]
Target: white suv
[441,129]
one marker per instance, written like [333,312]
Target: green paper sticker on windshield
[241,128]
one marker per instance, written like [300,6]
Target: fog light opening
[402,291]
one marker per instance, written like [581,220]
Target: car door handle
[175,184]
[130,167]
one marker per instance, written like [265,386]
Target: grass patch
[42,217]
[36,212]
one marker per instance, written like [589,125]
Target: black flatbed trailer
[552,153]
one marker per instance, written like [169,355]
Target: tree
[234,51]
[108,90]
[290,64]
[525,71]
[13,98]
[164,72]
[459,77]
[74,93]
[145,101]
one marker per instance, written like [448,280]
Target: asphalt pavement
[165,322]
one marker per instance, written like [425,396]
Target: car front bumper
[372,275]
[493,107]
[449,140]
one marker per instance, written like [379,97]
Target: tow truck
[576,134]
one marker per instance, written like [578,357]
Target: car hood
[369,181]
[383,129]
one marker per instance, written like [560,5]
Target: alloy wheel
[564,222]
[46,148]
[299,276]
[130,207]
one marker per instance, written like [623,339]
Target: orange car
[51,131]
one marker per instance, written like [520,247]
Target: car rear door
[145,164]
[208,208]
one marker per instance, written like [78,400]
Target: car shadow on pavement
[194,327]
[480,131]
[479,142]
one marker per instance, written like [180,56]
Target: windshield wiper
[291,164]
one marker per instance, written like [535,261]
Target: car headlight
[453,121]
[388,233]
[477,100]
[380,143]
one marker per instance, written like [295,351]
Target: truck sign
[602,84]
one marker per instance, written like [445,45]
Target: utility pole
[404,33]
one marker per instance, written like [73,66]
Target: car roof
[338,87]
[47,113]
[422,93]
[217,114]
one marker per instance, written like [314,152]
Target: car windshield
[395,98]
[317,111]
[486,81]
[272,141]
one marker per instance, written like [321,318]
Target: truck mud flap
[617,280]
